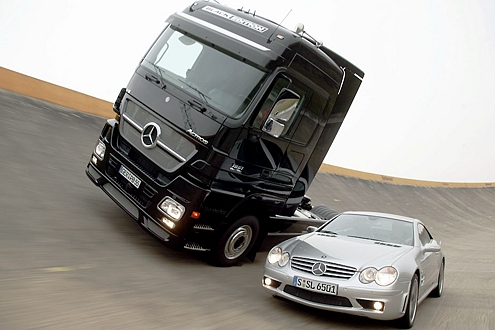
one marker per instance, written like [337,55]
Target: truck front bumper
[130,207]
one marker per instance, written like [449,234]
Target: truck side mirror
[281,112]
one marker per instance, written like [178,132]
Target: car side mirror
[311,229]
[432,247]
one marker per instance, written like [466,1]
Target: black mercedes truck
[221,130]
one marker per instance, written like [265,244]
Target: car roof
[383,215]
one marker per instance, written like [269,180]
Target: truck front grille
[172,149]
[142,162]
[143,197]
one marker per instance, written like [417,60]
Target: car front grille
[317,297]
[332,269]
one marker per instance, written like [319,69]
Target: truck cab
[221,129]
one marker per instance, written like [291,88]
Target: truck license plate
[129,176]
[315,286]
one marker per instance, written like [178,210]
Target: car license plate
[315,286]
[129,176]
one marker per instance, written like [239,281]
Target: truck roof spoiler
[342,62]
[353,77]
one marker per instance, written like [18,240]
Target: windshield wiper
[203,95]
[328,232]
[368,238]
[159,71]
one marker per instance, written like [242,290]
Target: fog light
[378,305]
[169,223]
[270,282]
[94,160]
[100,150]
[171,209]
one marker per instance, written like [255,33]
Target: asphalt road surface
[72,259]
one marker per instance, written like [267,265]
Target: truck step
[194,246]
[202,226]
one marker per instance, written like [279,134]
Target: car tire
[437,292]
[407,321]
[235,242]
[324,212]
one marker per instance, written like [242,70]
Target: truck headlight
[100,150]
[171,209]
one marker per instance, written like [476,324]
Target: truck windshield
[214,77]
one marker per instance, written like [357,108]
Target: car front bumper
[352,297]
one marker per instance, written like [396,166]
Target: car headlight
[368,275]
[276,255]
[384,276]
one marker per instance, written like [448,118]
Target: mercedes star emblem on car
[150,134]
[319,269]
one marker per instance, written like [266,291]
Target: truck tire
[235,241]
[324,212]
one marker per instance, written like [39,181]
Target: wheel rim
[238,242]
[413,301]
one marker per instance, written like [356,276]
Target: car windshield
[371,228]
[213,77]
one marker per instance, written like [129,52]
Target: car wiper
[328,232]
[203,95]
[368,238]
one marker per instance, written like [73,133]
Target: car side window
[424,235]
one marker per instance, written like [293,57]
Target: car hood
[350,251]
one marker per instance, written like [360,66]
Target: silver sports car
[370,264]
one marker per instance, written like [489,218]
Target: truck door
[264,147]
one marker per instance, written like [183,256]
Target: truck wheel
[236,241]
[324,212]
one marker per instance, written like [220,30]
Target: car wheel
[437,292]
[324,212]
[407,321]
[235,242]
